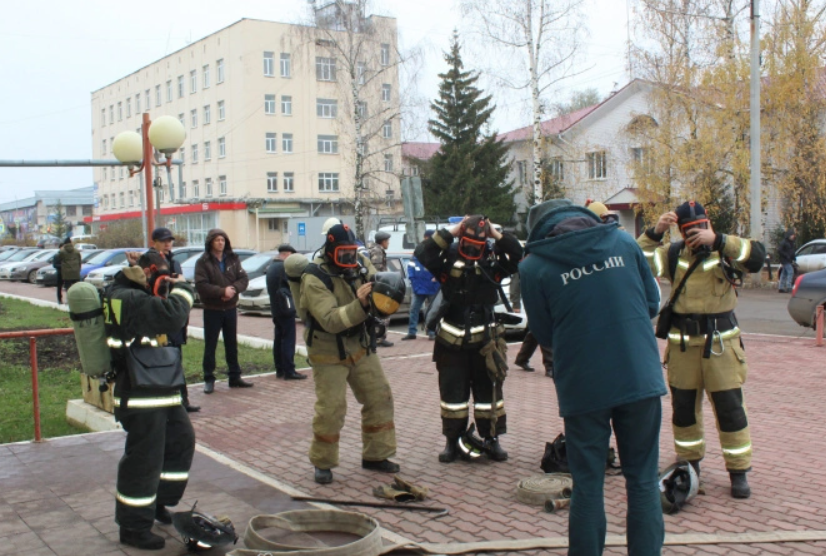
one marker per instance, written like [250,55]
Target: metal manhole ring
[537,489]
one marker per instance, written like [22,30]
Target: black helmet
[388,292]
[203,531]
[679,483]
[690,214]
[381,236]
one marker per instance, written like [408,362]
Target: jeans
[216,322]
[416,304]
[283,346]
[787,277]
[59,287]
[637,429]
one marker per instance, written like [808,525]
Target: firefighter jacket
[471,288]
[336,316]
[707,290]
[132,314]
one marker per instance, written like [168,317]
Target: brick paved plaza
[267,428]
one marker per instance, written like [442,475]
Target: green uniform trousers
[369,384]
[722,376]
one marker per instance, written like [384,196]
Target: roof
[80,196]
[554,126]
[422,151]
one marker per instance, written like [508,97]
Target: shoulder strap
[691,269]
[674,257]
[316,271]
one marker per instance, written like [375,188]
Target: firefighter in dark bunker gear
[704,350]
[334,301]
[143,306]
[470,271]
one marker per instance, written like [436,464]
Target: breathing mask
[691,215]
[472,246]
[340,247]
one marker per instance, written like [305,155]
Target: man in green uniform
[335,302]
[143,306]
[704,350]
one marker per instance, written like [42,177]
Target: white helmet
[329,223]
[679,483]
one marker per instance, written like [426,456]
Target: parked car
[48,240]
[808,293]
[812,256]
[47,276]
[86,247]
[109,257]
[20,256]
[182,254]
[102,277]
[8,251]
[27,270]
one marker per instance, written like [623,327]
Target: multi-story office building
[270,112]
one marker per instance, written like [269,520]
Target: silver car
[22,256]
[27,270]
[808,293]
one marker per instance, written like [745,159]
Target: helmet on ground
[203,531]
[388,292]
[679,483]
[381,236]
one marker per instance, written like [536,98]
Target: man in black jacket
[282,307]
[787,258]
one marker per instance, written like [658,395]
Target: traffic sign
[302,229]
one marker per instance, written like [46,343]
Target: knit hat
[536,212]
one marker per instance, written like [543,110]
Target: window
[219,70]
[326,108]
[147,99]
[131,198]
[642,158]
[221,112]
[207,151]
[208,183]
[597,167]
[120,172]
[171,192]
[385,54]
[182,190]
[388,163]
[157,95]
[385,92]
[286,142]
[207,114]
[102,117]
[325,69]
[556,169]
[268,64]
[71,211]
[327,144]
[387,129]
[105,197]
[272,182]
[193,82]
[285,65]
[272,225]
[193,116]
[361,109]
[181,119]
[120,111]
[137,104]
[182,153]
[111,113]
[169,91]
[269,104]
[361,69]
[180,86]
[206,76]
[104,173]
[286,105]
[270,142]
[121,199]
[328,181]
[222,147]
[129,108]
[195,154]
[289,181]
[196,189]
[103,147]
[160,195]
[222,185]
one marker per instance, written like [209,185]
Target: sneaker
[145,540]
[409,337]
[162,515]
[525,367]
[239,383]
[384,466]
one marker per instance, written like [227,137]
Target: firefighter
[144,305]
[705,351]
[335,298]
[470,270]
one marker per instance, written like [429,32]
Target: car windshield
[6,255]
[45,255]
[100,258]
[84,257]
[254,263]
[190,262]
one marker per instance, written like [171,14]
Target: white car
[37,255]
[102,277]
[812,256]
[255,300]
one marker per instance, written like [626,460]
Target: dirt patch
[53,352]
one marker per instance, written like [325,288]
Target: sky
[54,53]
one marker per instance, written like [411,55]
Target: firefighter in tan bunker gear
[704,350]
[335,304]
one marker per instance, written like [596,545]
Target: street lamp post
[166,134]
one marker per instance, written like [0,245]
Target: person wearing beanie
[334,301]
[705,350]
[282,307]
[589,296]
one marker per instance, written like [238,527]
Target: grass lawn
[59,367]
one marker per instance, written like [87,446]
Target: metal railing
[32,335]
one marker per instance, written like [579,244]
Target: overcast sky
[54,53]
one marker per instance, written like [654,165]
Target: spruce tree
[469,174]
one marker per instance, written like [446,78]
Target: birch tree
[533,45]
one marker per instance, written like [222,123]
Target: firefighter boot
[144,539]
[162,515]
[323,476]
[739,485]
[495,451]
[451,451]
[383,466]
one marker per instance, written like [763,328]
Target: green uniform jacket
[69,262]
[335,312]
[141,315]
